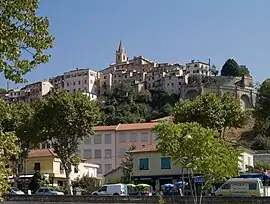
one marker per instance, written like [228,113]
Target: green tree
[230,68]
[23,124]
[262,109]
[66,119]
[197,149]
[244,71]
[3,91]
[214,70]
[211,111]
[8,147]
[24,38]
[123,105]
[127,165]
[87,183]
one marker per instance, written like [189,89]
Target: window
[252,186]
[87,154]
[79,82]
[179,83]
[97,139]
[122,137]
[103,189]
[133,137]
[43,146]
[74,90]
[165,163]
[37,166]
[97,153]
[144,137]
[99,170]
[85,81]
[108,153]
[74,83]
[108,167]
[122,152]
[226,186]
[61,168]
[67,84]
[87,140]
[108,138]
[144,164]
[48,145]
[104,77]
[76,169]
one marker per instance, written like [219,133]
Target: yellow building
[151,167]
[47,163]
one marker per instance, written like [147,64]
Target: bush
[261,143]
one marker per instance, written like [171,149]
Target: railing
[35,199]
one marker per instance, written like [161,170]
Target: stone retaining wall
[25,199]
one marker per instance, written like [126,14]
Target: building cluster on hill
[187,80]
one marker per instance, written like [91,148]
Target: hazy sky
[88,32]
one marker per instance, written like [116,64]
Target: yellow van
[238,187]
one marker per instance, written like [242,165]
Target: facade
[109,145]
[46,162]
[30,93]
[150,166]
[83,80]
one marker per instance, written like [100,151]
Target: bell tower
[121,54]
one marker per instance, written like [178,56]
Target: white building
[198,68]
[81,80]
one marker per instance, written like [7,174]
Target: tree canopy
[230,68]
[66,119]
[197,149]
[244,71]
[8,146]
[24,38]
[262,109]
[211,111]
[127,165]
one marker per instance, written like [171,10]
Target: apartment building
[109,145]
[198,68]
[58,82]
[30,93]
[81,80]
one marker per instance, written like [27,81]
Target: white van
[112,190]
[245,187]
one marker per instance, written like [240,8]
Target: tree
[23,124]
[211,111]
[3,91]
[123,105]
[37,181]
[8,147]
[230,68]
[213,70]
[66,119]
[197,149]
[262,109]
[24,38]
[87,183]
[244,70]
[127,165]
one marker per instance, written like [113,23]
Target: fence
[37,199]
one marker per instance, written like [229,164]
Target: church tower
[121,54]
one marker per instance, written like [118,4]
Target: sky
[88,32]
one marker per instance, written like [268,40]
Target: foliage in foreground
[87,183]
[24,38]
[196,148]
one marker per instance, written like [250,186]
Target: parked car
[112,190]
[48,191]
[15,191]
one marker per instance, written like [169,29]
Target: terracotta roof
[105,128]
[146,148]
[127,127]
[168,118]
[41,153]
[136,126]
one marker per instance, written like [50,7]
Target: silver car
[48,191]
